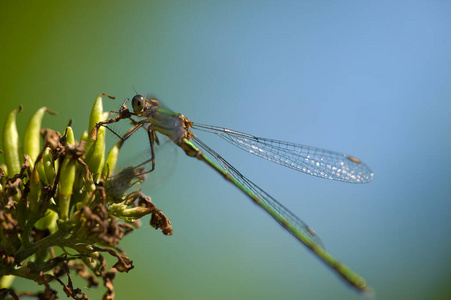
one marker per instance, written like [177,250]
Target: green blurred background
[368,78]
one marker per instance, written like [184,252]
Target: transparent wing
[310,160]
[282,215]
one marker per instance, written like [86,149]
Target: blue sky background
[369,78]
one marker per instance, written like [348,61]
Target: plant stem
[47,242]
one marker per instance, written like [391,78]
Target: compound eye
[138,103]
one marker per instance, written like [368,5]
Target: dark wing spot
[353,159]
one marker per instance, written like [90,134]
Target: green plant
[62,196]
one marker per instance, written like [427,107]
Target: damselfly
[148,114]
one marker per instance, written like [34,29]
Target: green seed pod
[35,191]
[32,137]
[49,168]
[95,158]
[67,179]
[84,136]
[121,211]
[89,195]
[111,159]
[95,117]
[70,139]
[135,212]
[41,171]
[96,112]
[11,144]
[48,221]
